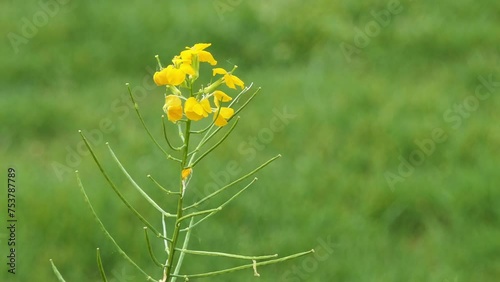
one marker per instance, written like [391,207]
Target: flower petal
[186,55]
[190,102]
[228,78]
[226,113]
[218,71]
[198,109]
[193,110]
[174,113]
[175,76]
[201,46]
[160,78]
[221,96]
[205,56]
[222,115]
[206,106]
[187,68]
[237,81]
[172,100]
[220,121]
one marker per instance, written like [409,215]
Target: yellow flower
[220,96]
[221,116]
[186,172]
[229,79]
[195,110]
[184,65]
[199,50]
[174,74]
[169,76]
[173,108]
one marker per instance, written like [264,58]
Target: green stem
[164,226]
[209,134]
[197,214]
[101,268]
[233,183]
[181,256]
[103,228]
[219,254]
[115,189]
[158,60]
[245,104]
[150,249]
[241,267]
[136,107]
[56,272]
[187,134]
[136,186]
[221,206]
[166,136]
[216,144]
[209,126]
[177,226]
[161,187]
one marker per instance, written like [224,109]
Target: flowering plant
[186,107]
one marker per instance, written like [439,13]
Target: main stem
[177,226]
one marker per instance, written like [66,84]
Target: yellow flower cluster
[183,71]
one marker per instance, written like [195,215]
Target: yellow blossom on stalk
[186,172]
[229,79]
[199,50]
[173,74]
[169,76]
[222,115]
[220,96]
[173,108]
[184,65]
[195,110]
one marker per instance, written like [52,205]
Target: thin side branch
[219,254]
[144,194]
[246,266]
[103,228]
[115,189]
[101,268]
[136,107]
[150,249]
[216,144]
[221,206]
[233,183]
[56,272]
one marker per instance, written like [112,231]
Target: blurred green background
[363,84]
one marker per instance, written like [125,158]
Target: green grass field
[390,136]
